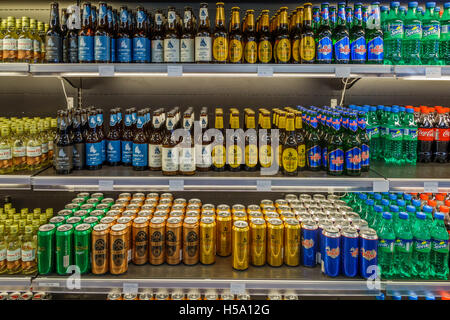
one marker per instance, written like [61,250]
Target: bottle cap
[378,208]
[401,203]
[427,209]
[423,196]
[403,216]
[431,4]
[387,215]
[373,108]
[384,202]
[444,209]
[415,202]
[432,203]
[410,209]
[407,197]
[412,4]
[363,196]
[440,197]
[439,216]
[396,296]
[380,297]
[421,215]
[430,296]
[393,208]
[370,202]
[377,196]
[412,297]
[392,197]
[395,4]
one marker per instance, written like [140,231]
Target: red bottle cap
[423,196]
[447,203]
[423,109]
[440,197]
[444,209]
[432,203]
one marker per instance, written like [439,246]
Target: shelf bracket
[347,86]
[74,82]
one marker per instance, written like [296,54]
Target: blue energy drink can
[350,251]
[368,252]
[320,253]
[309,242]
[331,261]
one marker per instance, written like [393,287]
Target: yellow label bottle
[220,37]
[307,44]
[283,46]
[290,152]
[236,48]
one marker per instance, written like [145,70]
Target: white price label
[433,72]
[381,186]
[174,71]
[130,288]
[176,185]
[237,288]
[265,71]
[106,71]
[342,72]
[48,284]
[263,185]
[431,187]
[333,103]
[105,185]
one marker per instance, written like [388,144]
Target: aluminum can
[178,294]
[237,207]
[253,207]
[208,213]
[81,214]
[254,215]
[165,202]
[258,242]
[331,262]
[191,241]
[290,197]
[118,206]
[93,201]
[137,201]
[125,195]
[129,223]
[64,248]
[146,295]
[361,225]
[157,230]
[192,214]
[91,220]
[110,221]
[318,196]
[118,261]
[97,213]
[108,201]
[72,207]
[162,294]
[176,213]
[57,221]
[181,201]
[240,215]
[46,248]
[82,240]
[350,251]
[140,236]
[368,252]
[97,195]
[223,228]
[116,214]
[281,202]
[212,295]
[88,207]
[195,201]
[207,240]
[173,239]
[65,213]
[100,248]
[275,241]
[223,207]
[309,243]
[102,206]
[153,196]
[292,235]
[241,246]
[75,221]
[114,295]
[194,294]
[321,250]
[84,195]
[79,201]
[145,213]
[266,203]
[208,206]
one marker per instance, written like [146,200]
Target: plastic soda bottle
[393,210]
[393,35]
[410,137]
[376,222]
[403,247]
[439,248]
[444,43]
[369,212]
[392,198]
[386,246]
[428,211]
[408,198]
[412,35]
[421,247]
[377,199]
[361,203]
[393,154]
[374,133]
[431,30]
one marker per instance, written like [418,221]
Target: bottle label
[140,154]
[324,49]
[353,159]
[235,50]
[358,49]
[431,31]
[13,255]
[44,147]
[18,152]
[187,159]
[251,52]
[395,30]
[53,48]
[284,50]
[86,48]
[220,49]
[50,145]
[301,156]
[314,156]
[425,134]
[413,31]
[296,50]
[93,154]
[265,51]
[386,245]
[24,44]
[373,132]
[124,50]
[365,155]
[422,245]
[251,155]
[307,49]
[157,51]
[336,158]
[2,254]
[234,156]
[5,154]
[442,134]
[113,151]
[410,134]
[290,159]
[103,144]
[187,52]
[395,134]
[203,155]
[219,156]
[102,48]
[79,154]
[36,46]
[33,152]
[154,155]
[171,50]
[444,29]
[265,156]
[63,157]
[440,245]
[140,50]
[202,49]
[324,156]
[403,245]
[342,49]
[375,49]
[170,159]
[127,151]
[73,50]
[10,44]
[28,255]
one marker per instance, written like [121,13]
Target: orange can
[140,240]
[174,236]
[100,249]
[157,235]
[118,251]
[191,243]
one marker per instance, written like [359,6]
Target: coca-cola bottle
[425,136]
[441,135]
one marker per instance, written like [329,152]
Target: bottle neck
[220,17]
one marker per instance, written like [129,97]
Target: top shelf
[227,70]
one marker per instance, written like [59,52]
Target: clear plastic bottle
[421,247]
[444,43]
[403,247]
[409,137]
[430,36]
[393,154]
[394,35]
[439,248]
[412,36]
[373,131]
[386,247]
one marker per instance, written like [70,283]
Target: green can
[75,221]
[93,201]
[92,221]
[57,221]
[78,201]
[65,213]
[98,213]
[72,206]
[87,206]
[98,195]
[108,201]
[84,195]
[102,206]
[46,248]
[64,248]
[81,213]
[82,239]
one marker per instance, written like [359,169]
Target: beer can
[208,206]
[241,246]
[72,207]
[211,295]
[84,195]
[283,208]
[3,295]
[129,214]
[290,295]
[166,195]
[151,203]
[138,202]
[207,240]
[162,294]
[227,295]
[100,248]
[368,252]
[341,223]
[194,207]
[110,221]
[37,296]
[114,213]
[179,207]
[253,207]
[81,214]
[240,215]
[66,214]
[75,221]
[161,214]
[14,295]
[281,202]
[146,295]
[133,207]
[87,206]
[360,225]
[350,251]
[165,202]
[275,239]
[193,294]
[138,195]
[295,203]
[258,242]
[119,207]
[129,223]
[223,227]
[274,295]
[353,218]
[223,207]
[254,215]
[321,249]
[145,213]
[237,207]
[107,201]
[309,243]
[210,214]
[82,239]
[178,294]
[181,201]
[118,263]
[271,215]
[102,206]
[114,295]
[140,236]
[152,196]
[292,242]
[191,239]
[46,248]
[243,296]
[97,213]
[319,197]
[290,197]
[97,195]
[331,262]
[93,201]
[266,203]
[156,236]
[91,220]
[195,201]
[57,221]
[332,197]
[79,201]
[284,215]
[173,240]
[130,296]
[64,248]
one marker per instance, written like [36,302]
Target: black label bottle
[53,38]
[63,147]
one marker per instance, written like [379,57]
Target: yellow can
[258,242]
[207,240]
[292,242]
[241,247]
[223,228]
[275,239]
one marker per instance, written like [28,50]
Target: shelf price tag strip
[237,288]
[105,185]
[381,186]
[130,288]
[176,185]
[263,185]
[265,71]
[175,71]
[431,187]
[433,72]
[342,72]
[106,71]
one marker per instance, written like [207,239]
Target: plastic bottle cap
[392,196]
[412,4]
[409,110]
[444,209]
[430,297]
[377,196]
[421,215]
[370,202]
[363,196]
[427,209]
[416,109]
[415,202]
[445,296]
[393,208]
[439,216]
[395,4]
[410,208]
[447,203]
[380,297]
[396,297]
[412,297]
[423,196]
[373,109]
[380,107]
[378,208]
[403,216]
[387,215]
[407,197]
[440,197]
[384,202]
[432,203]
[401,203]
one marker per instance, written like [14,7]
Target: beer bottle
[289,158]
[171,38]
[84,123]
[264,39]
[124,43]
[140,49]
[94,17]
[79,147]
[203,36]
[235,154]
[64,32]
[324,45]
[25,42]
[251,47]
[251,142]
[235,45]
[37,43]
[352,148]
[313,150]
[101,133]
[316,18]
[220,43]
[113,27]
[364,140]
[341,41]
[219,153]
[283,42]
[72,39]
[265,142]
[93,144]
[307,44]
[335,161]
[203,144]
[186,147]
[170,151]
[358,38]
[86,36]
[113,137]
[53,38]
[299,133]
[187,46]
[158,38]
[296,36]
[102,39]
[333,18]
[349,16]
[140,144]
[281,124]
[127,138]
[155,143]
[63,147]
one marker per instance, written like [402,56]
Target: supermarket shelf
[14,69]
[19,180]
[126,179]
[15,283]
[420,288]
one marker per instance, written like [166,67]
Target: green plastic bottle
[369,212]
[439,248]
[378,217]
[393,210]
[386,241]
[394,35]
[444,43]
[430,36]
[421,247]
[394,148]
[403,247]
[412,36]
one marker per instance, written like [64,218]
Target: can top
[112,213]
[129,296]
[86,206]
[73,220]
[157,220]
[287,214]
[208,206]
[368,233]
[65,227]
[125,195]
[349,232]
[223,207]
[173,220]
[100,227]
[331,231]
[224,214]
[140,220]
[305,196]
[90,220]
[118,227]
[107,220]
[318,196]
[291,221]
[207,220]
[253,207]
[107,200]
[124,220]
[144,213]
[195,201]
[227,296]
[116,206]
[154,195]
[290,197]
[102,206]
[272,215]
[295,202]
[97,195]
[191,220]
[138,195]
[179,201]
[255,214]
[240,214]
[243,296]
[83,227]
[177,295]
[309,224]
[80,213]
[275,221]
[240,224]
[325,223]
[258,221]
[56,219]
[64,212]
[207,213]
[133,207]
[266,202]
[281,202]
[148,206]
[97,213]
[47,227]
[238,207]
[176,213]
